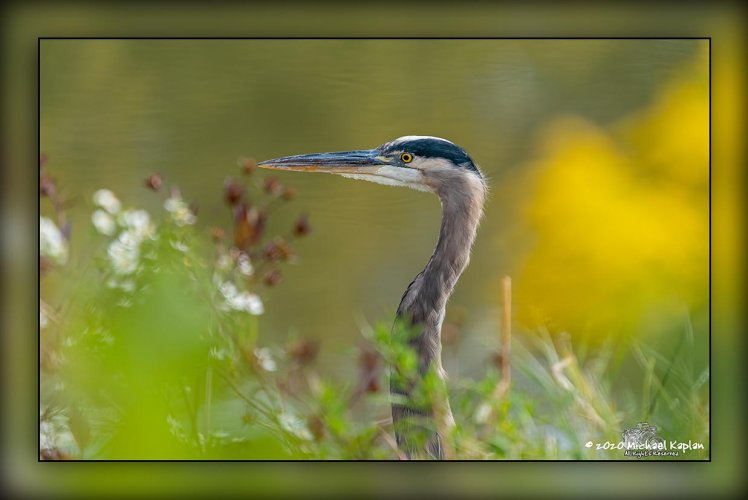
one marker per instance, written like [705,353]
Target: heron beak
[365,161]
[366,165]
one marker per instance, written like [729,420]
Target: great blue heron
[441,167]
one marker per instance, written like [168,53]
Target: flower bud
[272,278]
[301,227]
[154,182]
[273,186]
[248,165]
[232,192]
[217,234]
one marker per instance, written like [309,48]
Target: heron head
[418,162]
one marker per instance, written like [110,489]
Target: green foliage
[160,359]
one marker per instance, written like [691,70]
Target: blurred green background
[595,151]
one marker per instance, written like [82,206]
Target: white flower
[173,203]
[129,238]
[180,246]
[265,359]
[482,413]
[218,354]
[228,290]
[241,301]
[224,262]
[43,319]
[55,434]
[103,222]
[106,200]
[176,428]
[46,436]
[106,338]
[219,434]
[180,211]
[52,244]
[124,253]
[244,265]
[248,302]
[294,425]
[138,223]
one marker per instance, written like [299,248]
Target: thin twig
[501,390]
[506,338]
[256,405]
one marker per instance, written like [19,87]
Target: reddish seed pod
[273,187]
[217,234]
[244,230]
[497,359]
[283,248]
[301,226]
[289,193]
[232,192]
[249,224]
[154,182]
[248,165]
[260,218]
[316,426]
[278,249]
[272,278]
[369,360]
[44,265]
[304,351]
[46,185]
[271,252]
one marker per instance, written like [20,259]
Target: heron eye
[406,157]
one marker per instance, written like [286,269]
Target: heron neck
[460,218]
[424,304]
[426,299]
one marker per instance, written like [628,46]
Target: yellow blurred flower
[619,218]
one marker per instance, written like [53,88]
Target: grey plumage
[462,196]
[439,166]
